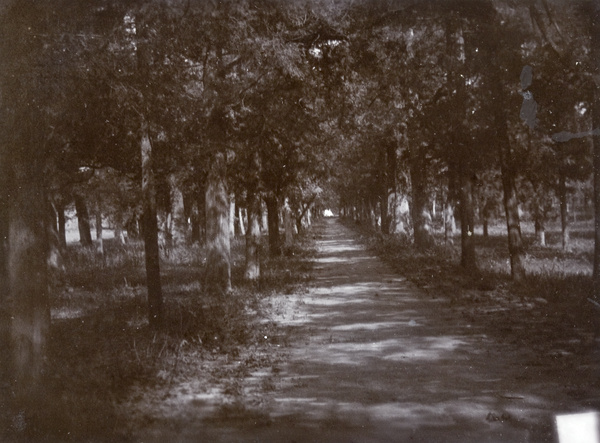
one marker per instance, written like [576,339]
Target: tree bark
[595,19]
[83,221]
[62,224]
[511,208]
[252,271]
[273,225]
[564,213]
[5,315]
[288,224]
[232,215]
[150,233]
[178,226]
[420,211]
[468,258]
[449,220]
[28,275]
[217,279]
[99,232]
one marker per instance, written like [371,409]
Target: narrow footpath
[378,359]
[373,358]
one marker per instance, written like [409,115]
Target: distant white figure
[327,213]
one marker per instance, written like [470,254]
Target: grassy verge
[551,272]
[105,365]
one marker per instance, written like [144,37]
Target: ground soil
[366,356]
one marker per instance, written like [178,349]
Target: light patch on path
[372,358]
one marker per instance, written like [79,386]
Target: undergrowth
[101,346]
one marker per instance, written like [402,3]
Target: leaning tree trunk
[596,140]
[28,276]
[217,277]
[252,271]
[150,233]
[83,222]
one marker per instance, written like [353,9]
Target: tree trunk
[511,208]
[5,315]
[511,203]
[178,226]
[420,211]
[232,215]
[468,258]
[28,275]
[273,225]
[596,140]
[241,226]
[99,239]
[540,231]
[62,223]
[217,279]
[564,211]
[83,221]
[252,271]
[288,224]
[118,226]
[449,220]
[150,233]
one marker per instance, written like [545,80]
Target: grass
[551,272]
[102,352]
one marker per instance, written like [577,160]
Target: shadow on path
[373,358]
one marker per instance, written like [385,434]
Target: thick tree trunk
[5,315]
[596,140]
[83,222]
[28,275]
[150,233]
[273,225]
[420,205]
[217,279]
[252,271]
[468,258]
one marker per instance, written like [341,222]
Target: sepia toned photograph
[299,221]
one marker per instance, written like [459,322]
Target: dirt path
[373,358]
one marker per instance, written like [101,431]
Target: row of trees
[465,104]
[161,114]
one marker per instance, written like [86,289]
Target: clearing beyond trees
[369,356]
